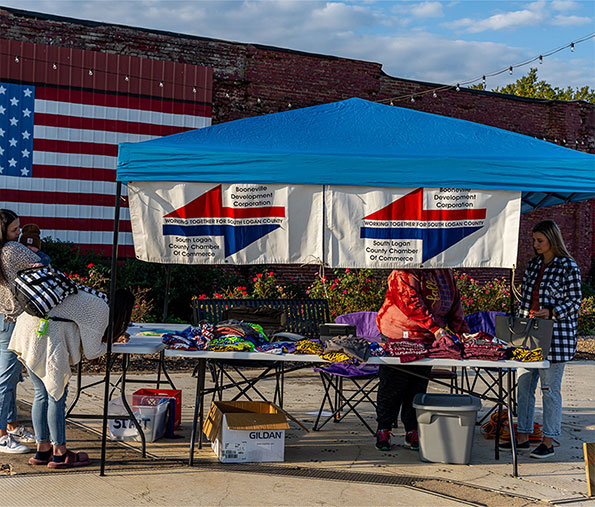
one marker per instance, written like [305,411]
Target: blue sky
[437,41]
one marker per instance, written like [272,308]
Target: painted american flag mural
[63,113]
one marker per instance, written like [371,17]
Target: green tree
[530,86]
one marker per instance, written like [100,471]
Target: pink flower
[344,292]
[271,274]
[333,285]
[259,275]
[90,265]
[346,270]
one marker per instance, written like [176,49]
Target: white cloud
[534,14]
[564,5]
[561,20]
[427,10]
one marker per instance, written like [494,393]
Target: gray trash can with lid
[446,424]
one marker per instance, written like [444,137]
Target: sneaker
[11,446]
[383,440]
[507,446]
[412,439]
[542,451]
[22,434]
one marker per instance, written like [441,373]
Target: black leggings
[396,390]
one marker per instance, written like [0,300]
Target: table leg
[510,383]
[127,406]
[198,408]
[499,420]
[78,388]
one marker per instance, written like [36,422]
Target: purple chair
[343,397]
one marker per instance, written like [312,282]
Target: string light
[412,98]
[90,72]
[289,105]
[160,84]
[16,59]
[483,77]
[435,95]
[126,78]
[391,103]
[54,66]
[258,100]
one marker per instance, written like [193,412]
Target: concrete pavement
[338,465]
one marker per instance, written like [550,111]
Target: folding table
[503,397]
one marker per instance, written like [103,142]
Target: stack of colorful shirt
[230,343]
[481,349]
[182,340]
[405,350]
[445,347]
[309,346]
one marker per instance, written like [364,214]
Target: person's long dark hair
[123,306]
[7,217]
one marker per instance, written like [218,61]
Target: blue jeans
[47,414]
[10,375]
[551,393]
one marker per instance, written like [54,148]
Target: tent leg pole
[112,294]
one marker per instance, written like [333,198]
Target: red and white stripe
[71,192]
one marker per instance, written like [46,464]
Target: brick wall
[252,80]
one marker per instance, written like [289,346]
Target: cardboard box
[246,431]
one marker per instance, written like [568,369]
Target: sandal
[35,461]
[78,459]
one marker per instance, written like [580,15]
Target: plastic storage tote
[446,424]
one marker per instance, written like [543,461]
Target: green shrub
[586,317]
[493,295]
[349,291]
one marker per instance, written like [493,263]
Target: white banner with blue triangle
[421,227]
[206,223]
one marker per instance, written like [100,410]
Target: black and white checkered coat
[560,290]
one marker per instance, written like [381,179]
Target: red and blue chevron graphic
[239,226]
[439,229]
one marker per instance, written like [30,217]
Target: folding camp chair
[345,387]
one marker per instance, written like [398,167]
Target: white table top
[312,358]
[145,344]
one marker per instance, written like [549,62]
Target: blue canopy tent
[361,143]
[357,142]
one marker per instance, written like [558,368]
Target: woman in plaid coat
[551,289]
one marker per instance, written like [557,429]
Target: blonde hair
[552,232]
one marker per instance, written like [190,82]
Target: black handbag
[525,332]
[38,290]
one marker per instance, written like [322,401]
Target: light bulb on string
[126,78]
[54,66]
[194,90]
[160,84]
[391,103]
[289,105]
[540,59]
[90,72]
[458,88]
[435,95]
[510,70]
[483,80]
[16,59]
[412,98]
[572,47]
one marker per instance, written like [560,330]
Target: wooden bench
[304,316]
